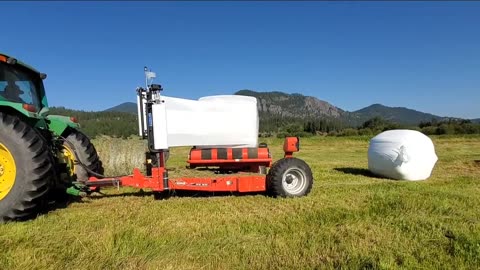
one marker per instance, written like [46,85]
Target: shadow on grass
[56,201]
[356,171]
[176,193]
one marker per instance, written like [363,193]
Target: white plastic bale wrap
[214,121]
[402,155]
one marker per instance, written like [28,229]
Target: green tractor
[40,154]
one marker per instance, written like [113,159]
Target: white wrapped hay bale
[402,154]
[213,121]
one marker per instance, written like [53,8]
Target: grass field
[350,220]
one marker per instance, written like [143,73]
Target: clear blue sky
[420,55]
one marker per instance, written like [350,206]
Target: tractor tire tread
[86,152]
[38,175]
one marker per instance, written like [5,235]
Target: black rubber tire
[34,169]
[276,174]
[86,153]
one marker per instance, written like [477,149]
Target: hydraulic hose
[77,161]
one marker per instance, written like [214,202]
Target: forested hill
[282,113]
[279,111]
[395,114]
[292,105]
[278,104]
[128,107]
[118,124]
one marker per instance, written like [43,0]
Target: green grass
[349,220]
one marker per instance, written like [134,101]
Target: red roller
[249,159]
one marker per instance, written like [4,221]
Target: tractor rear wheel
[289,177]
[78,146]
[26,169]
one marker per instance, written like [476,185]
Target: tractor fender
[16,108]
[57,124]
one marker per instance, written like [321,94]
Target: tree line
[434,127]
[123,125]
[373,126]
[450,126]
[114,124]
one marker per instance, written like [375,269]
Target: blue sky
[420,55]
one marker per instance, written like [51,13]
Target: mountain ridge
[128,107]
[280,104]
[402,115]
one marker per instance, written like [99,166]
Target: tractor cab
[22,93]
[21,86]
